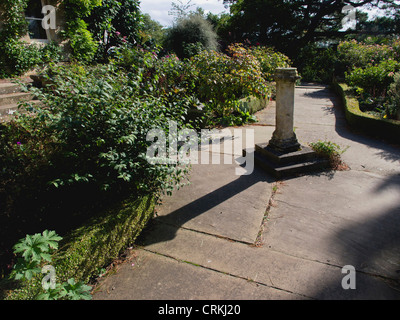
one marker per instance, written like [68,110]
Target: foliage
[330,151]
[374,79]
[370,68]
[33,251]
[17,57]
[356,54]
[269,60]
[99,128]
[189,31]
[81,40]
[112,21]
[290,25]
[152,32]
[223,79]
[12,15]
[317,64]
[393,105]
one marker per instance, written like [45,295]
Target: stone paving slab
[200,245]
[351,218]
[219,202]
[305,278]
[155,277]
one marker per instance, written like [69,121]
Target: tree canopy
[289,24]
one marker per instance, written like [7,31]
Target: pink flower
[19,143]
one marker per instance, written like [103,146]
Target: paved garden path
[250,237]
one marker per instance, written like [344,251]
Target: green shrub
[393,104]
[99,124]
[331,151]
[222,79]
[186,36]
[17,57]
[87,142]
[35,251]
[374,78]
[317,64]
[269,60]
[81,40]
[355,54]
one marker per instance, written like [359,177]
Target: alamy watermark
[49,280]
[350,19]
[49,20]
[188,146]
[349,281]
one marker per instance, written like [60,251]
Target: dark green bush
[84,148]
[189,34]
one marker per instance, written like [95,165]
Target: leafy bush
[370,71]
[223,79]
[81,40]
[112,21]
[89,137]
[269,60]
[33,251]
[99,124]
[393,104]
[374,78]
[317,64]
[189,34]
[17,57]
[331,151]
[354,54]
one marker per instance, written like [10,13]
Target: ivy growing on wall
[15,57]
[12,15]
[86,22]
[76,30]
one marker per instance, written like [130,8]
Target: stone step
[7,111]
[308,164]
[12,98]
[303,155]
[7,88]
[288,170]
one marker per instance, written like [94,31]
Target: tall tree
[290,24]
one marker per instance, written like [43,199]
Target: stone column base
[285,146]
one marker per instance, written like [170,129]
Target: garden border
[94,245]
[385,128]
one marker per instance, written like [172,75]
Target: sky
[158,9]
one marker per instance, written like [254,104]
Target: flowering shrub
[374,79]
[359,55]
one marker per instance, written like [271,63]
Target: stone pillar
[284,139]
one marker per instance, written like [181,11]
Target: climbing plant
[13,18]
[76,30]
[15,57]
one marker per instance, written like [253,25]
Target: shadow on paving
[373,247]
[201,205]
[387,150]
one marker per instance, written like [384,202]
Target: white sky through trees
[158,9]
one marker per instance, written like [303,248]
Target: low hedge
[385,128]
[91,247]
[253,104]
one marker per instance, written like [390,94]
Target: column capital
[286,74]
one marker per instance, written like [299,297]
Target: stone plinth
[284,139]
[283,156]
